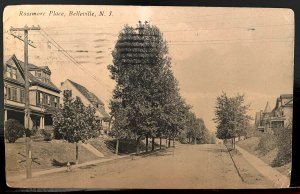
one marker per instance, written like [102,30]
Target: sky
[248,51]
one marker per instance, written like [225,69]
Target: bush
[47,136]
[284,143]
[56,134]
[13,130]
[266,143]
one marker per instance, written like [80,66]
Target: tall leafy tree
[231,116]
[141,69]
[75,122]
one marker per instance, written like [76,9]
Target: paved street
[187,166]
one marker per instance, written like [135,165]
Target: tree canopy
[231,116]
[75,122]
[146,99]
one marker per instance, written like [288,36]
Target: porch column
[25,120]
[41,122]
[30,124]
[5,115]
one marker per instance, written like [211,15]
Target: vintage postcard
[122,97]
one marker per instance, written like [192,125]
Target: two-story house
[88,98]
[280,116]
[43,94]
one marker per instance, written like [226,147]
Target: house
[44,96]
[280,116]
[88,98]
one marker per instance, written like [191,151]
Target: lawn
[251,145]
[43,154]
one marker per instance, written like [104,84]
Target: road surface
[186,166]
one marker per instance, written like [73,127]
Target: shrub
[28,132]
[284,143]
[13,130]
[47,136]
[266,143]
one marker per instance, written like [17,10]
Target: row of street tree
[146,101]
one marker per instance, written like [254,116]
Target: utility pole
[27,108]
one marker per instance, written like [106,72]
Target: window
[55,101]
[48,100]
[46,78]
[41,98]
[8,93]
[12,94]
[22,95]
[11,72]
[39,74]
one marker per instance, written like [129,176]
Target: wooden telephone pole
[27,108]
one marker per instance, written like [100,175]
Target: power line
[66,54]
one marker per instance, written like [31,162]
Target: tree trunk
[189,140]
[173,142]
[146,143]
[166,142]
[169,143]
[153,144]
[76,152]
[195,140]
[234,143]
[117,147]
[160,143]
[138,145]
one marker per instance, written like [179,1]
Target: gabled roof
[289,103]
[12,58]
[89,95]
[35,81]
[44,68]
[267,108]
[284,96]
[94,100]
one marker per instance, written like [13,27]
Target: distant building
[44,96]
[88,98]
[280,116]
[262,119]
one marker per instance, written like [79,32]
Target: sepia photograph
[148,97]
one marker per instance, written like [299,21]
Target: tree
[141,69]
[13,130]
[231,116]
[196,131]
[118,122]
[75,122]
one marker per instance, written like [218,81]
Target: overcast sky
[236,50]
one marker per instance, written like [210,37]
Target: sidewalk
[279,180]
